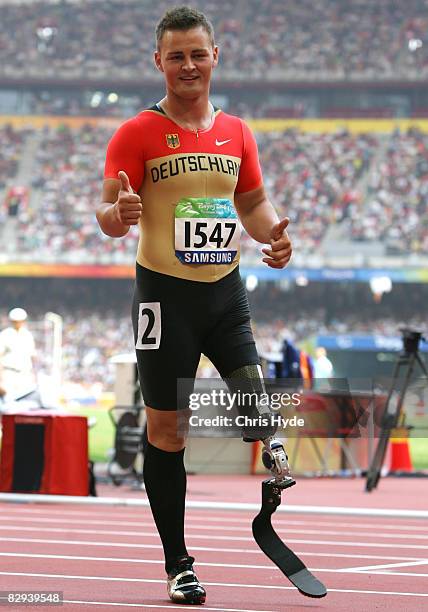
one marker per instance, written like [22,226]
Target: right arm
[120,207]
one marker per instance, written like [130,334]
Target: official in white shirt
[17,350]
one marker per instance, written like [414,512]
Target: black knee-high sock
[165,482]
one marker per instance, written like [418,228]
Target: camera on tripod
[411,340]
[395,417]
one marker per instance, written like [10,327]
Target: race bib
[207,231]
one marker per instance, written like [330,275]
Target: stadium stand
[312,178]
[395,211]
[65,176]
[259,39]
[372,188]
[11,145]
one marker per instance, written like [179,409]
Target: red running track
[109,558]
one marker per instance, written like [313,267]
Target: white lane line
[366,592]
[269,568]
[50,520]
[312,523]
[381,573]
[212,505]
[113,532]
[143,561]
[366,568]
[194,536]
[220,584]
[208,527]
[105,544]
[157,607]
[194,524]
[190,517]
[200,548]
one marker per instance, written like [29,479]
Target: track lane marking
[214,584]
[351,544]
[138,502]
[200,548]
[382,573]
[223,528]
[158,606]
[227,519]
[200,564]
[389,565]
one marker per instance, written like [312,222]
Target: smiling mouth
[189,78]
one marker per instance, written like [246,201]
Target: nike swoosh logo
[219,143]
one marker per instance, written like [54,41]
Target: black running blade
[284,558]
[307,583]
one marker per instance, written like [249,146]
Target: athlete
[186,173]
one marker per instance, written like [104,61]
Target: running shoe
[183,585]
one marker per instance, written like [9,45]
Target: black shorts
[175,320]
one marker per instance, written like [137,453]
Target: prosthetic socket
[247,382]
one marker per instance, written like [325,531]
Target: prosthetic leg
[274,459]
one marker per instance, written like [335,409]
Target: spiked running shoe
[183,585]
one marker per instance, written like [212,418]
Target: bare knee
[166,430]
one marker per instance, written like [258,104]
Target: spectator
[323,368]
[373,188]
[305,40]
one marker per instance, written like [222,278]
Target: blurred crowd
[91,339]
[258,38]
[344,40]
[396,208]
[373,187]
[67,173]
[11,144]
[83,103]
[97,322]
[312,177]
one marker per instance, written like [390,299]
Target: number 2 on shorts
[149,326]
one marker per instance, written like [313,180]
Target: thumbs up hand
[128,205]
[280,250]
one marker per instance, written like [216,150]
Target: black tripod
[391,419]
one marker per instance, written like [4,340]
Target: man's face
[187,59]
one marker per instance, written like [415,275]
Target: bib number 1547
[200,234]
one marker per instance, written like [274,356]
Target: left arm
[260,220]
